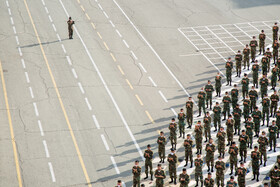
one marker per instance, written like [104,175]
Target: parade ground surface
[79,112]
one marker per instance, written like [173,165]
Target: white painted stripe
[123,183]
[12,20]
[163,97]
[27,77]
[134,56]
[52,172]
[54,28]
[74,73]
[31,92]
[46,149]
[100,6]
[118,32]
[115,165]
[14,28]
[112,23]
[36,109]
[125,43]
[81,87]
[19,51]
[23,63]
[259,31]
[87,102]
[105,14]
[105,142]
[174,112]
[63,48]
[95,122]
[69,60]
[50,18]
[41,128]
[46,9]
[7,3]
[231,35]
[152,81]
[9,10]
[43,2]
[58,37]
[17,40]
[142,67]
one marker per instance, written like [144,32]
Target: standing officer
[253,45]
[274,98]
[226,101]
[274,174]
[136,171]
[233,151]
[217,116]
[275,47]
[210,150]
[257,116]
[275,73]
[234,95]
[181,118]
[249,131]
[272,135]
[209,89]
[238,61]
[264,84]
[148,154]
[268,54]
[237,113]
[198,136]
[246,53]
[201,101]
[253,94]
[119,184]
[243,139]
[160,176]
[246,107]
[209,182]
[221,135]
[189,109]
[188,150]
[172,159]
[278,121]
[173,133]
[264,62]
[70,23]
[256,156]
[230,124]
[262,41]
[161,146]
[218,84]
[263,142]
[255,69]
[184,178]
[220,168]
[207,126]
[275,31]
[241,172]
[265,106]
[245,85]
[229,67]
[198,162]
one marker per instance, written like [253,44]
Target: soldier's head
[210,140]
[256,61]
[256,148]
[209,82]
[229,116]
[172,151]
[247,45]
[136,162]
[226,93]
[217,104]
[161,133]
[243,132]
[256,108]
[232,178]
[221,129]
[250,118]
[265,54]
[229,58]
[264,75]
[218,73]
[275,168]
[273,122]
[220,158]
[142,185]
[184,170]
[242,164]
[235,85]
[275,23]
[149,147]
[268,49]
[253,87]
[70,18]
[276,41]
[254,37]
[198,155]
[188,136]
[190,98]
[275,92]
[278,158]
[181,110]
[159,166]
[263,133]
[233,144]
[173,120]
[237,106]
[207,113]
[119,183]
[247,96]
[238,51]
[199,122]
[262,31]
[245,74]
[202,89]
[209,175]
[265,95]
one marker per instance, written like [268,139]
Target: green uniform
[173,134]
[262,42]
[263,142]
[161,147]
[278,62]
[188,150]
[246,108]
[201,101]
[275,177]
[265,109]
[181,118]
[243,139]
[217,116]
[278,121]
[237,113]
[264,84]
[257,116]
[198,136]
[160,176]
[246,53]
[207,127]
[269,55]
[148,154]
[229,67]
[245,86]
[70,28]
[238,61]
[233,152]
[209,182]
[241,172]
[274,98]
[275,47]
[226,101]
[184,180]
[136,171]
[220,168]
[198,170]
[209,90]
[249,131]
[231,184]
[172,159]
[253,95]
[255,69]
[221,142]
[210,150]
[218,85]
[189,109]
[256,156]
[230,124]
[234,97]
[275,73]
[264,65]
[275,32]
[253,44]
[272,136]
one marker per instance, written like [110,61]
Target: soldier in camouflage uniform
[272,135]
[274,174]
[198,162]
[217,116]
[201,101]
[243,139]
[265,106]
[263,143]
[189,109]
[229,67]
[172,159]
[278,161]
[136,171]
[268,54]
[210,150]
[256,156]
[264,84]
[278,121]
[198,136]
[262,41]
[207,126]
[188,150]
[173,133]
[246,53]
[245,85]
[161,146]
[184,178]
[238,61]
[209,89]
[253,45]
[246,107]
[230,123]
[220,168]
[226,101]
[275,31]
[218,84]
[148,155]
[275,73]
[209,182]
[274,98]
[181,118]
[264,62]
[241,172]
[221,135]
[275,47]
[278,64]
[255,69]
[257,116]
[253,94]
[160,176]
[237,113]
[249,131]
[234,95]
[233,152]
[231,182]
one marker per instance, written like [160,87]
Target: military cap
[136,160]
[173,119]
[231,177]
[148,145]
[275,167]
[278,156]
[209,173]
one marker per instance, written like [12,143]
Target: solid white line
[87,102]
[152,81]
[174,112]
[74,73]
[19,51]
[81,87]
[51,170]
[266,25]
[36,109]
[106,87]
[43,2]
[100,6]
[7,3]
[54,27]
[58,37]
[95,122]
[23,63]
[46,9]
[242,31]
[118,33]
[259,31]
[17,40]
[115,165]
[27,77]
[231,35]
[134,56]
[12,20]
[41,128]
[14,28]
[112,23]
[46,149]
[105,142]
[69,60]
[63,48]
[105,14]
[123,184]
[31,92]
[50,18]
[9,10]
[125,43]
[163,97]
[142,67]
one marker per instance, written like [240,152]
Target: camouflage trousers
[172,171]
[263,91]
[198,142]
[246,62]
[209,99]
[161,152]
[273,107]
[210,160]
[221,147]
[189,118]
[136,181]
[207,132]
[263,154]
[255,79]
[148,164]
[159,183]
[274,183]
[189,155]
[229,135]
[173,139]
[198,175]
[237,124]
[257,127]
[220,179]
[201,105]
[262,46]
[272,141]
[238,68]
[234,102]
[256,167]
[253,54]
[250,135]
[218,90]
[244,92]
[253,104]
[243,152]
[241,181]
[265,114]
[182,127]
[217,122]
[233,162]
[273,81]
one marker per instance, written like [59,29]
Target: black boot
[151,177]
[274,149]
[270,148]
[235,132]
[264,164]
[254,177]
[183,135]
[197,151]
[231,172]
[186,164]
[146,176]
[241,159]
[223,155]
[205,140]
[261,162]
[257,178]
[160,160]
[208,169]
[215,129]
[200,151]
[191,164]
[176,144]
[196,184]
[212,169]
[201,183]
[228,144]
[207,105]
[180,135]
[175,181]
[238,131]
[171,181]
[245,160]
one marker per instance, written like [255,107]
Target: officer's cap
[119,181]
[275,167]
[278,156]
[181,109]
[188,134]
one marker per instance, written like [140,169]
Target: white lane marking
[19,51]
[31,92]
[134,56]
[63,48]
[115,165]
[105,142]
[43,2]
[163,97]
[46,9]
[100,6]
[105,14]
[231,35]
[7,3]
[41,128]
[36,109]
[118,32]
[58,37]
[112,23]
[46,149]
[50,18]
[152,81]
[23,63]
[106,87]
[9,10]
[125,43]
[259,31]
[142,67]
[95,122]
[174,112]
[74,73]
[242,30]
[87,102]
[153,50]
[81,87]
[12,20]
[52,172]
[17,40]
[14,29]
[27,77]
[54,28]
[123,184]
[69,60]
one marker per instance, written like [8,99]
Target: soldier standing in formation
[231,182]
[275,47]
[246,53]
[246,107]
[245,85]
[272,135]
[275,74]
[184,178]
[253,45]
[198,162]
[161,147]
[243,139]
[233,151]
[201,101]
[210,150]
[264,62]
[249,125]
[136,171]
[256,155]
[160,176]
[262,41]
[226,101]
[275,31]
[119,183]
[198,136]
[218,84]
[274,98]
[217,116]
[221,135]
[189,109]
[207,126]
[181,118]
[172,159]
[220,168]
[263,142]
[173,133]
[70,23]
[188,150]
[266,106]
[274,174]
[209,182]
[278,121]
[229,67]
[148,155]
[253,94]
[241,172]
[257,116]
[255,69]
[268,54]
[237,113]
[264,84]
[234,95]
[209,90]
[230,124]
[238,61]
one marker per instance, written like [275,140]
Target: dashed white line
[112,23]
[63,48]
[69,60]
[52,172]
[105,142]
[174,112]
[118,32]
[23,63]
[17,40]
[74,73]
[31,92]
[12,20]
[58,37]
[46,149]
[27,77]
[14,29]
[46,9]
[95,122]
[152,81]
[105,14]
[43,2]
[50,18]
[87,102]
[19,51]
[163,97]
[9,10]
[100,6]
[54,28]
[142,67]
[41,128]
[7,3]
[115,165]
[134,56]
[36,109]
[125,43]
[81,87]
